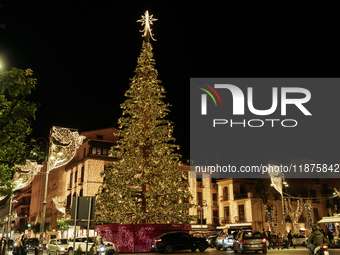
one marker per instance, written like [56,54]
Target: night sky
[84,55]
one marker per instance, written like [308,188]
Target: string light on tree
[294,215]
[146,185]
[309,208]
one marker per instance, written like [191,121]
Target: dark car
[32,245]
[211,240]
[172,241]
[250,241]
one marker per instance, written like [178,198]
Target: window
[75,176]
[99,151]
[226,213]
[68,201]
[242,189]
[100,137]
[225,193]
[241,213]
[215,217]
[199,198]
[84,152]
[105,151]
[214,197]
[82,174]
[71,177]
[81,193]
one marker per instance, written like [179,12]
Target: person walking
[290,240]
[19,249]
[270,241]
[24,240]
[330,238]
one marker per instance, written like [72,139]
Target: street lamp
[61,148]
[9,219]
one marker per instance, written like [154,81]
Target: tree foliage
[16,116]
[146,185]
[63,225]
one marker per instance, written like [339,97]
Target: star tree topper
[146,21]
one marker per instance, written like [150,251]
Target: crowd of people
[317,237]
[19,249]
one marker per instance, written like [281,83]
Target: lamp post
[9,221]
[277,179]
[42,222]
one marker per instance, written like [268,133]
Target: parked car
[32,245]
[172,241]
[300,240]
[57,244]
[226,239]
[211,241]
[249,241]
[81,241]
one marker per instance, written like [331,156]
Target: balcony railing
[240,195]
[215,203]
[200,184]
[214,186]
[240,219]
[225,220]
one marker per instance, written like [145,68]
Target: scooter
[102,250]
[321,250]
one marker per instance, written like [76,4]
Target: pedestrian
[24,240]
[19,249]
[330,238]
[290,240]
[279,241]
[270,241]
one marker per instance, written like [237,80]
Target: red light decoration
[136,238]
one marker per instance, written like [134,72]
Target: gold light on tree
[59,203]
[146,21]
[63,146]
[294,215]
[24,175]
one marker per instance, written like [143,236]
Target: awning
[331,219]
[234,225]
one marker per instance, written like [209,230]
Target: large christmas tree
[146,185]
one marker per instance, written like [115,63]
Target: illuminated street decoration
[294,214]
[146,21]
[309,208]
[276,177]
[59,203]
[271,213]
[24,175]
[63,146]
